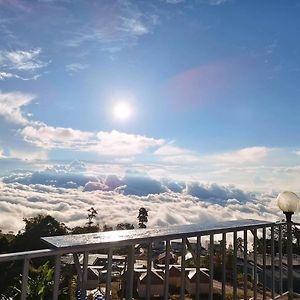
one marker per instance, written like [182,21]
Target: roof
[156,278]
[192,276]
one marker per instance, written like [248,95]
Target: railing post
[25,279]
[56,278]
[167,264]
[84,274]
[130,273]
[182,279]
[290,258]
[149,271]
[108,291]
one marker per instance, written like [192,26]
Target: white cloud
[134,26]
[174,1]
[75,67]
[6,75]
[1,153]
[112,143]
[28,155]
[297,152]
[22,60]
[169,150]
[49,137]
[11,105]
[217,2]
[176,155]
[245,155]
[124,144]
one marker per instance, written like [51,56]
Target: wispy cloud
[175,1]
[6,75]
[173,154]
[119,26]
[217,2]
[133,26]
[32,155]
[245,155]
[22,62]
[11,105]
[75,67]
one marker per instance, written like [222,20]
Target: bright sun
[122,111]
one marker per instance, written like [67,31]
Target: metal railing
[236,259]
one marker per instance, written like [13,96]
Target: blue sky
[212,87]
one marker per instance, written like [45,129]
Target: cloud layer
[67,191]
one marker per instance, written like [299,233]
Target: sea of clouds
[67,191]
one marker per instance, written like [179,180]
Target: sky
[193,100]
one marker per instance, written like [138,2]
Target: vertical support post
[25,279]
[245,265]
[56,277]
[78,268]
[182,285]
[108,274]
[234,265]
[272,263]
[224,266]
[280,258]
[130,273]
[198,266]
[84,274]
[255,264]
[264,262]
[211,267]
[167,271]
[290,258]
[149,269]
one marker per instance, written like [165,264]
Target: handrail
[231,231]
[92,241]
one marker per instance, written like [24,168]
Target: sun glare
[122,111]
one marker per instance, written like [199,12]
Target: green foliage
[41,282]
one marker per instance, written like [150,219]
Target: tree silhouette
[91,216]
[142,217]
[35,228]
[124,226]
